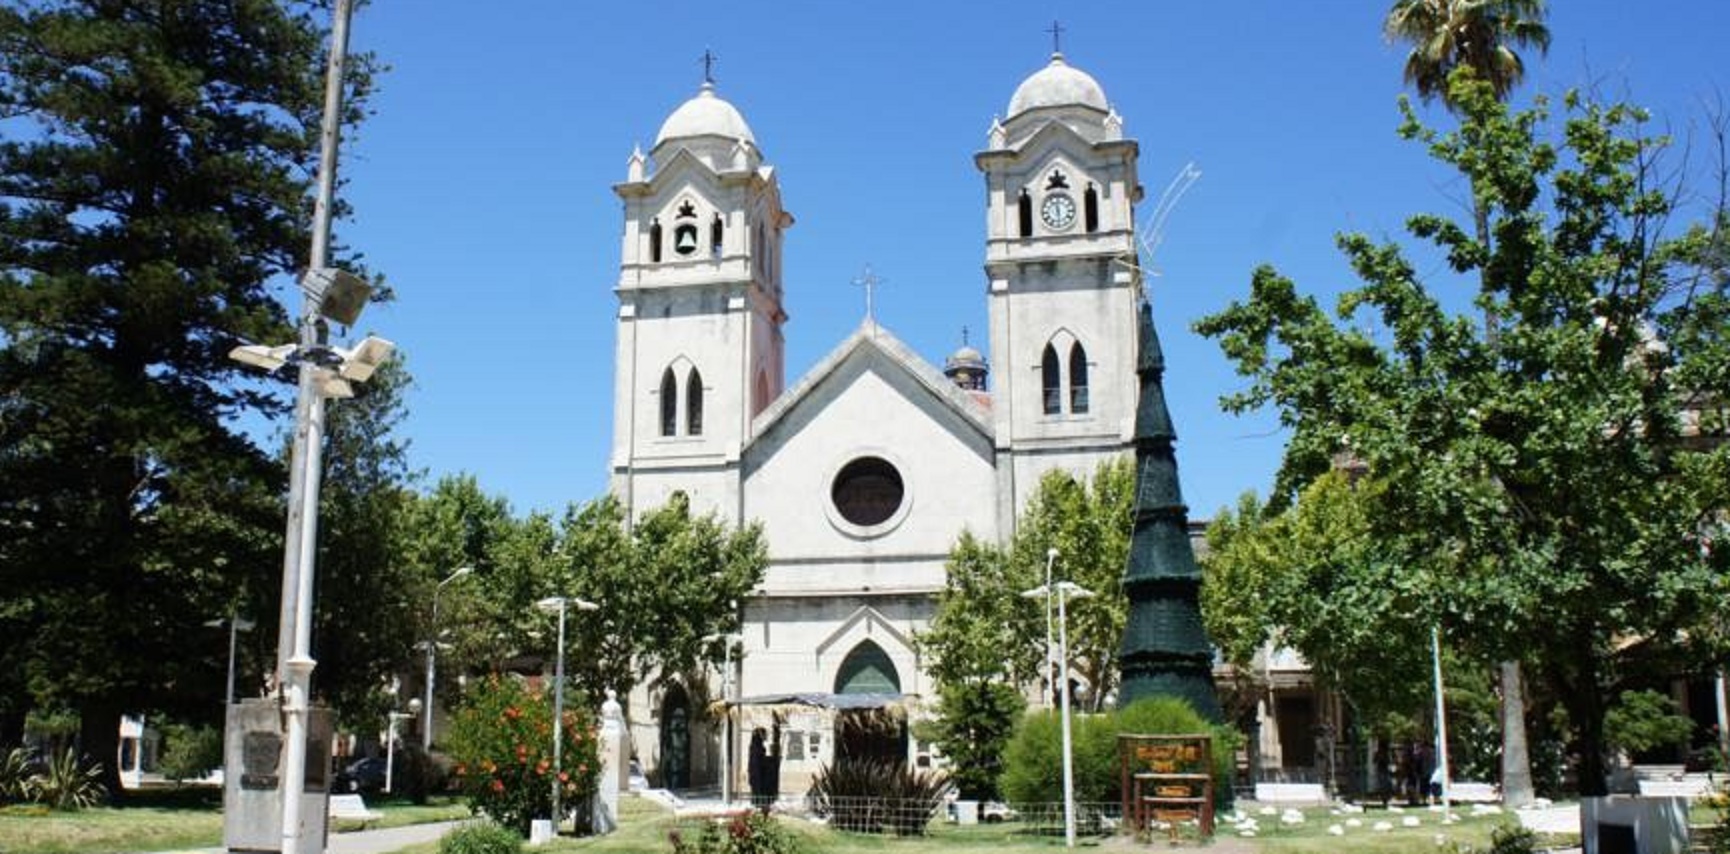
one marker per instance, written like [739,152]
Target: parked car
[992,812]
[361,775]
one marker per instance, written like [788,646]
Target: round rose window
[867,491]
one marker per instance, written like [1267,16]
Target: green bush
[67,784]
[502,740]
[873,795]
[752,833]
[15,782]
[1642,720]
[191,752]
[1033,761]
[481,838]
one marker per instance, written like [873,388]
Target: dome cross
[709,58]
[1056,32]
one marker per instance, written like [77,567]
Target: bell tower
[1060,263]
[700,348]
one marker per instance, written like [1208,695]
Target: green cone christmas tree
[1165,650]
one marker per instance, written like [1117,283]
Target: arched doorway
[675,738]
[869,734]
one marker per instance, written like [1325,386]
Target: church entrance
[675,738]
[869,734]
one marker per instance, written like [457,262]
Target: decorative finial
[869,281]
[1056,32]
[709,58]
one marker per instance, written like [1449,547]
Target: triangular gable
[871,336]
[873,620]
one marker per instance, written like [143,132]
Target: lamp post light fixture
[558,604]
[236,624]
[1065,590]
[390,746]
[426,731]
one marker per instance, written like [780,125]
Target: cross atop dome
[1056,32]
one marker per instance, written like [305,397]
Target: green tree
[152,179]
[978,651]
[1316,579]
[1542,481]
[986,639]
[1481,35]
[670,562]
[1089,524]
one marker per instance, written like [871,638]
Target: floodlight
[359,363]
[339,294]
[329,384]
[260,356]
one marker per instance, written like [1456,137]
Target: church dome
[966,368]
[707,114]
[1058,84]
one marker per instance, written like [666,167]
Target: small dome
[705,115]
[1057,85]
[967,355]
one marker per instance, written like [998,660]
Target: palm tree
[1481,35]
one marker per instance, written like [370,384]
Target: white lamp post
[235,625]
[324,371]
[727,722]
[557,604]
[1065,591]
[432,652]
[390,746]
[1441,718]
[1050,689]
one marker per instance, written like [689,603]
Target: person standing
[763,768]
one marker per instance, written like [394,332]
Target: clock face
[1058,211]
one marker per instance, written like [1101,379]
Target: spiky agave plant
[67,784]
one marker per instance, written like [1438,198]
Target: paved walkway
[389,839]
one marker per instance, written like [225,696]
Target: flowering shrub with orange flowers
[502,744]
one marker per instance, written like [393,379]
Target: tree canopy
[153,179]
[1542,476]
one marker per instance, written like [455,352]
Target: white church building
[865,471]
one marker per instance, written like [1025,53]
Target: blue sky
[482,184]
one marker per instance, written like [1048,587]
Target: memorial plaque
[260,753]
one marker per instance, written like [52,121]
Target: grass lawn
[162,821]
[645,825]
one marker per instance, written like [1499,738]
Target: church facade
[865,471]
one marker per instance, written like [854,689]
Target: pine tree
[153,180]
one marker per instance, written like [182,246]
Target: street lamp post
[1065,591]
[390,747]
[727,722]
[557,604]
[235,625]
[1050,689]
[431,653]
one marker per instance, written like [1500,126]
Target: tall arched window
[1050,379]
[1024,214]
[1090,209]
[1077,378]
[669,403]
[715,232]
[694,404]
[655,241]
